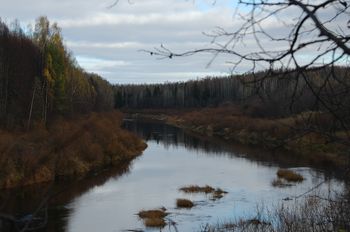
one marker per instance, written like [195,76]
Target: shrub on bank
[66,148]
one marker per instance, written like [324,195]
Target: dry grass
[155,213]
[197,189]
[215,193]
[153,218]
[312,215]
[184,203]
[289,175]
[155,222]
[66,148]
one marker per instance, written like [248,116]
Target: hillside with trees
[56,120]
[40,79]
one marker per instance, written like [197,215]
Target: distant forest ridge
[269,93]
[40,80]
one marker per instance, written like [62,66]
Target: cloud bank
[108,41]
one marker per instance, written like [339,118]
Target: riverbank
[287,134]
[65,149]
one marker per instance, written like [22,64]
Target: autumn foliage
[40,79]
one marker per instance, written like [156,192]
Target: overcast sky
[107,41]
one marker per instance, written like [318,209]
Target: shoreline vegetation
[67,148]
[314,214]
[286,134]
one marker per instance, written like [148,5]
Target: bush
[289,175]
[184,203]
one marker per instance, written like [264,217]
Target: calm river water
[110,201]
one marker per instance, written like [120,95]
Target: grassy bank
[301,134]
[66,148]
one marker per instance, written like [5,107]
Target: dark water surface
[110,200]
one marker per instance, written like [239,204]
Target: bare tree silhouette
[290,39]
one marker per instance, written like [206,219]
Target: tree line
[271,93]
[41,80]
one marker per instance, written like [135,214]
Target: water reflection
[170,136]
[23,201]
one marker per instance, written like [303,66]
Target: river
[110,200]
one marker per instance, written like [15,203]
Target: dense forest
[273,93]
[40,79]
[54,117]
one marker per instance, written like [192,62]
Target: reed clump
[197,189]
[154,213]
[289,175]
[215,193]
[184,203]
[153,218]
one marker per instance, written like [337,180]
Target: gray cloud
[107,41]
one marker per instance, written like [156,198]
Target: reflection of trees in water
[23,200]
[171,136]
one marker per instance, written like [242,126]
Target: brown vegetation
[197,189]
[289,175]
[44,93]
[215,193]
[66,148]
[153,218]
[184,203]
[155,213]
